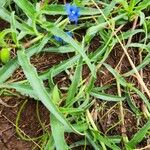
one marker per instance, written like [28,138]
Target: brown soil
[28,123]
[3,25]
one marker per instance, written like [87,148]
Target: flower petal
[73,12]
[78,11]
[67,8]
[58,39]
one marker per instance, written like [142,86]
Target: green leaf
[75,81]
[142,18]
[55,70]
[55,95]
[50,144]
[104,87]
[3,2]
[80,126]
[107,141]
[102,49]
[142,46]
[95,29]
[21,88]
[77,2]
[13,27]
[118,77]
[71,110]
[143,97]
[132,5]
[106,97]
[127,34]
[93,142]
[107,11]
[60,49]
[39,89]
[132,104]
[123,2]
[90,84]
[6,15]
[27,89]
[2,36]
[27,7]
[58,133]
[139,135]
[78,143]
[140,66]
[60,10]
[7,70]
[142,5]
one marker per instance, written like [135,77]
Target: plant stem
[94,127]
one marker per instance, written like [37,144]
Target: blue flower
[60,40]
[73,12]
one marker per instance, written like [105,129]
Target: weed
[80,106]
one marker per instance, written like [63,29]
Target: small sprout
[73,12]
[5,55]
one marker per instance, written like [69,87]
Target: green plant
[37,28]
[5,55]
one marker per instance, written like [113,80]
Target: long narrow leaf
[106,97]
[59,68]
[21,88]
[140,66]
[60,10]
[75,81]
[6,15]
[39,88]
[27,7]
[142,96]
[58,133]
[139,135]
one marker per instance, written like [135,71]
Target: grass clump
[100,90]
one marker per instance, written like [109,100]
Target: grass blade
[118,77]
[50,144]
[75,81]
[21,88]
[58,133]
[106,97]
[6,15]
[93,143]
[140,66]
[61,49]
[59,68]
[39,88]
[107,141]
[60,10]
[132,104]
[143,97]
[139,135]
[27,7]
